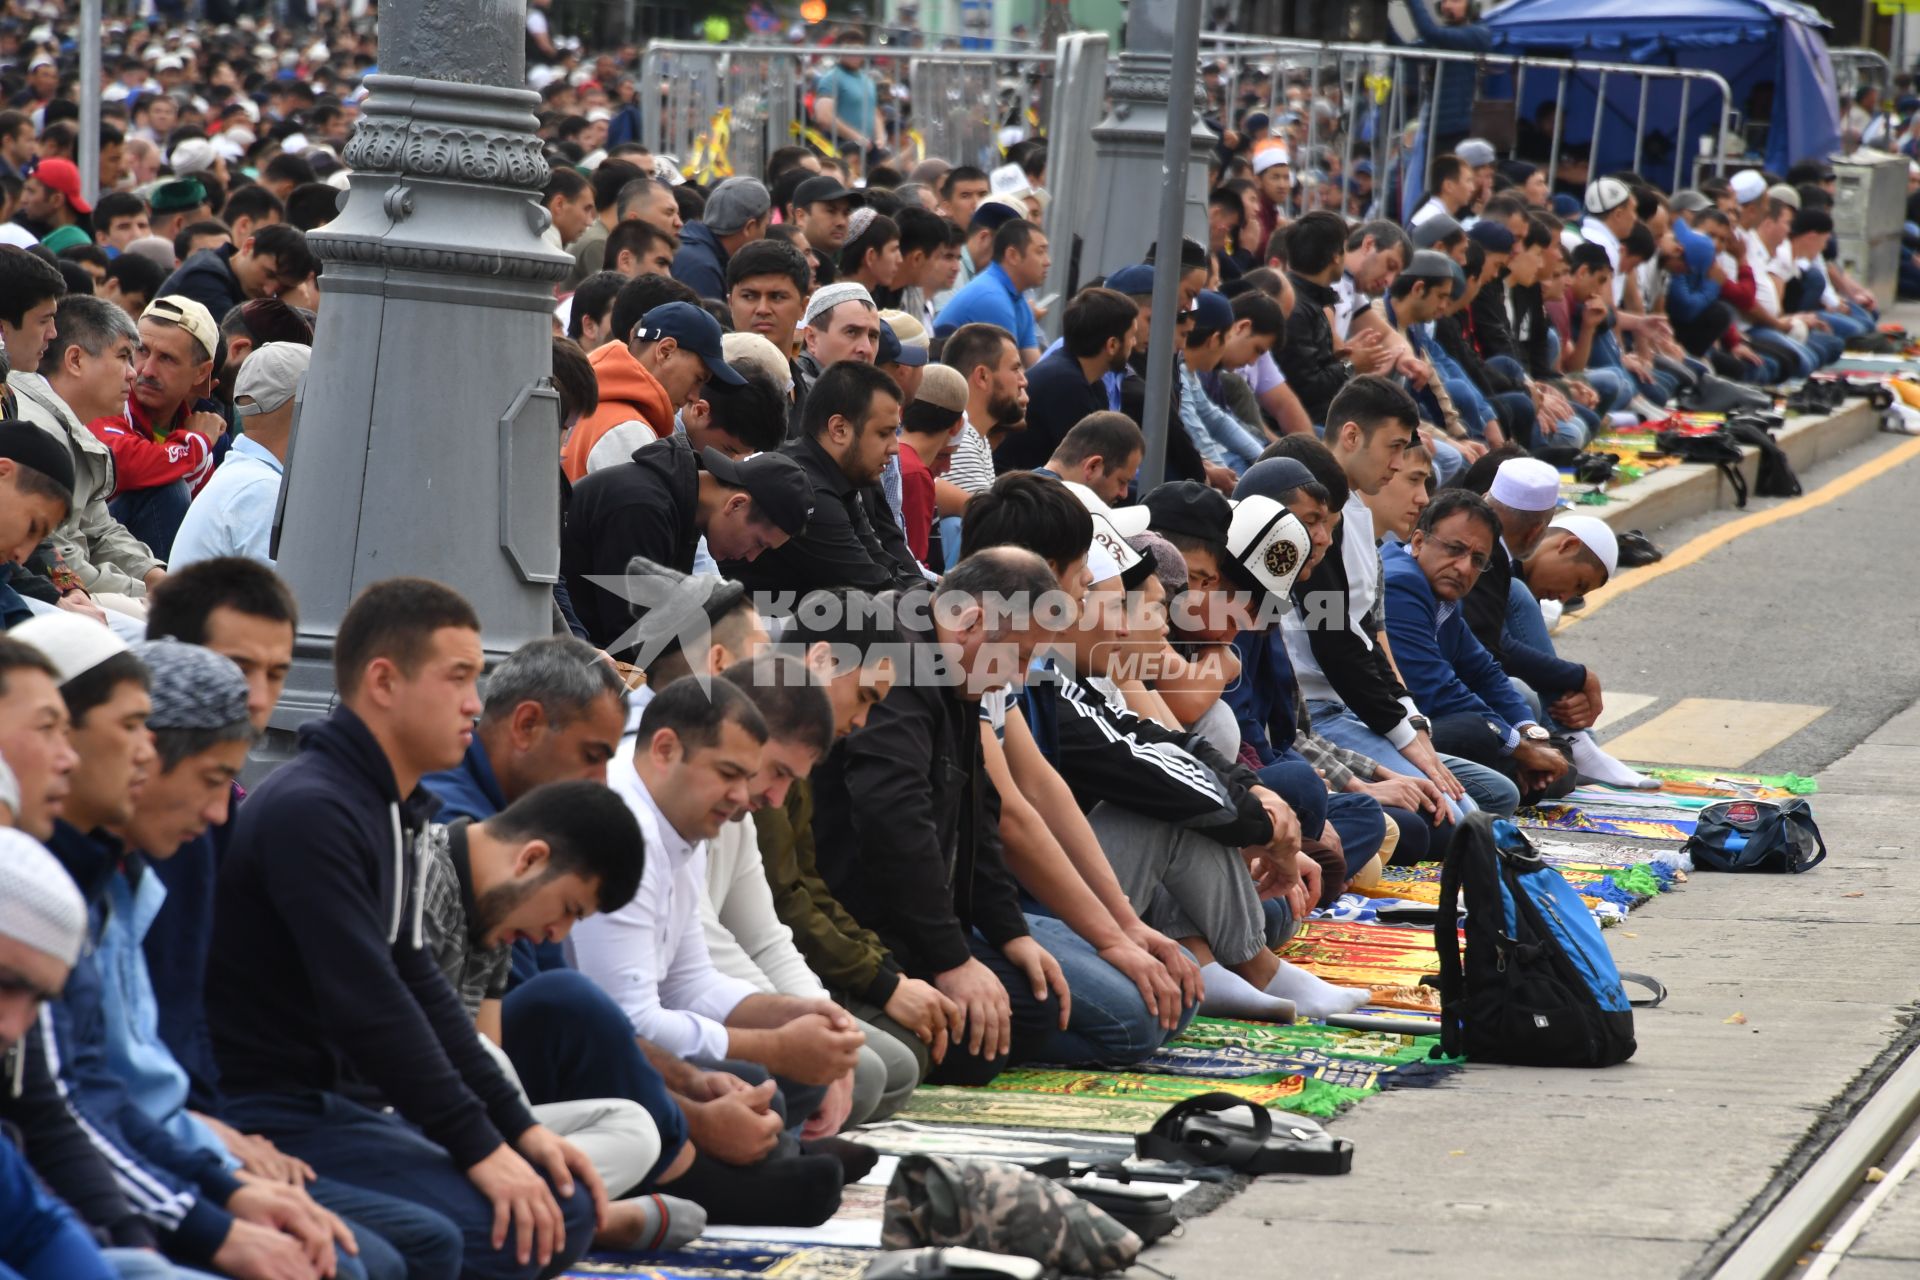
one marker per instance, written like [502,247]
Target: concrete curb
[1673,494]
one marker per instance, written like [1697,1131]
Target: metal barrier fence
[723,109]
[1375,99]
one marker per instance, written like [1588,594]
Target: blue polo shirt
[990,298]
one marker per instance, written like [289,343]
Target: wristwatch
[1534,733]
[1420,724]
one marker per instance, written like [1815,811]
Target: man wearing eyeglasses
[1476,711]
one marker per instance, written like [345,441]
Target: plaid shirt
[1336,764]
[475,973]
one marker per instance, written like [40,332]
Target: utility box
[1869,212]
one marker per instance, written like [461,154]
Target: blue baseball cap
[1363,167]
[1135,281]
[694,330]
[1491,236]
[1212,312]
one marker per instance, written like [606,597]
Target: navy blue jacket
[700,263]
[1458,83]
[178,1188]
[318,980]
[176,948]
[207,277]
[1447,670]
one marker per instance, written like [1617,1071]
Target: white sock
[1550,613]
[1592,764]
[1228,995]
[1315,997]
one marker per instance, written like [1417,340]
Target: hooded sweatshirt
[318,979]
[634,410]
[1693,292]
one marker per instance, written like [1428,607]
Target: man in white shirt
[699,747]
[745,936]
[1453,189]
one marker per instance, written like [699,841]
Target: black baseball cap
[775,482]
[1190,508]
[822,189]
[29,446]
[695,331]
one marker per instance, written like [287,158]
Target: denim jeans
[1486,788]
[380,1152]
[1357,819]
[568,1040]
[1796,360]
[397,1238]
[153,515]
[1107,1022]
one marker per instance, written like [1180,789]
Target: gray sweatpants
[1182,883]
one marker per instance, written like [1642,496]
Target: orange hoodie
[631,399]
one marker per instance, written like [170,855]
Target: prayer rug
[1562,817]
[1720,784]
[1123,1101]
[1599,797]
[1016,1146]
[1362,955]
[704,1259]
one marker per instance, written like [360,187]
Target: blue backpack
[1537,985]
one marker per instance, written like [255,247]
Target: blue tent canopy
[1755,45]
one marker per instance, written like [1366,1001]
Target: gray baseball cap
[735,203]
[269,376]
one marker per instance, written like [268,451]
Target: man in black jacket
[1080,376]
[319,986]
[850,431]
[1316,256]
[658,507]
[907,822]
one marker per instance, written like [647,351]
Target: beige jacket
[95,546]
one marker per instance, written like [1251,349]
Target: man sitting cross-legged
[744,933]
[699,745]
[554,712]
[1134,986]
[907,821]
[1194,837]
[845,639]
[319,981]
[1477,712]
[554,856]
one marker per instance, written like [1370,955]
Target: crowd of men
[942,745]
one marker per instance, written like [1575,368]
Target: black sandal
[1194,1132]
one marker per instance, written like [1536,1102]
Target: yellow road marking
[1713,733]
[1619,706]
[1713,539]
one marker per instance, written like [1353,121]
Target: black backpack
[1537,986]
[1757,835]
[1776,478]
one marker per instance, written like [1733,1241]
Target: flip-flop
[1196,1131]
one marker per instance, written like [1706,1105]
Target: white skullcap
[39,903]
[1596,535]
[1526,484]
[826,299]
[195,155]
[1748,185]
[74,644]
[1267,157]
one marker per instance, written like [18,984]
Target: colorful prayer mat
[1016,1146]
[1558,817]
[705,1260]
[1719,784]
[1599,797]
[1221,1049]
[1362,955]
[1399,1000]
[1117,1102]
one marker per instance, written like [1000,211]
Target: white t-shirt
[1597,232]
[1428,212]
